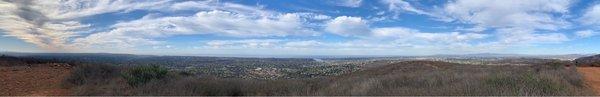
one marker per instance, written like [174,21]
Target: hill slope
[27,77]
[588,61]
[413,78]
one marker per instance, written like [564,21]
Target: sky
[301,27]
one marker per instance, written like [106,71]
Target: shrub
[86,73]
[143,74]
[96,80]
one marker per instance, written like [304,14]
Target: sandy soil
[591,76]
[42,80]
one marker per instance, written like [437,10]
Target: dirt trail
[591,76]
[33,81]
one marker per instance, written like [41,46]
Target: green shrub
[143,74]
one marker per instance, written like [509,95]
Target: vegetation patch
[140,75]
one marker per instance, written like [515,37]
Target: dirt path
[33,81]
[591,76]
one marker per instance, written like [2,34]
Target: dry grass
[406,78]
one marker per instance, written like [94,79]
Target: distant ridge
[482,55]
[588,61]
[492,55]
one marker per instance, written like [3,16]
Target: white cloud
[57,24]
[209,5]
[396,32]
[586,33]
[517,36]
[515,22]
[314,16]
[51,24]
[347,3]
[304,44]
[406,36]
[379,39]
[361,47]
[264,44]
[206,22]
[348,26]
[70,9]
[591,16]
[395,37]
[534,14]
[243,44]
[400,6]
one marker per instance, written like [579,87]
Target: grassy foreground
[404,78]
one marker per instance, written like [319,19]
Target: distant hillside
[15,61]
[588,61]
[494,55]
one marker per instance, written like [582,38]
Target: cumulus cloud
[58,25]
[206,22]
[514,21]
[367,38]
[406,34]
[536,14]
[355,26]
[405,37]
[348,26]
[586,33]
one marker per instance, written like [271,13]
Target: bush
[92,74]
[96,80]
[143,74]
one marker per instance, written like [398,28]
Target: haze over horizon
[301,27]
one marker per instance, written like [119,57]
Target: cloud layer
[483,25]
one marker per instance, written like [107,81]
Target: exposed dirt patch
[38,80]
[591,76]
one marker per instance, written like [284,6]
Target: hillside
[412,78]
[588,61]
[441,78]
[27,77]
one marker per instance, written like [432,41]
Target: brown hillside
[588,61]
[36,80]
